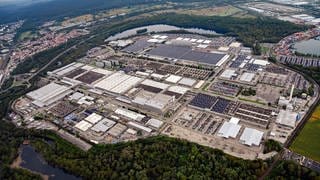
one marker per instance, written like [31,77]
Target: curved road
[303,121]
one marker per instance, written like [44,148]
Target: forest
[250,31]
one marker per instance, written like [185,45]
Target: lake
[34,162]
[159,28]
[311,46]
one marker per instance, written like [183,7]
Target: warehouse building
[247,77]
[173,79]
[66,69]
[187,82]
[155,123]
[139,127]
[103,126]
[287,118]
[230,129]
[130,115]
[118,83]
[117,130]
[251,137]
[93,118]
[49,94]
[153,102]
[83,125]
[229,74]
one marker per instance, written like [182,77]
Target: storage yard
[181,85]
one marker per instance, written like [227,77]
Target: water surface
[33,161]
[159,28]
[311,46]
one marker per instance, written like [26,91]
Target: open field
[213,11]
[27,35]
[307,143]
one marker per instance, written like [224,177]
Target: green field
[307,143]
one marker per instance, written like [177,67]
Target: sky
[20,2]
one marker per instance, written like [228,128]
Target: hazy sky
[20,2]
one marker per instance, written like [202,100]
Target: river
[311,46]
[159,28]
[33,161]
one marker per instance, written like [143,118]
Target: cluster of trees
[291,170]
[248,92]
[272,145]
[10,139]
[152,158]
[251,31]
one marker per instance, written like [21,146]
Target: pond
[311,46]
[34,162]
[159,28]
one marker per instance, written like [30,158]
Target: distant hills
[42,10]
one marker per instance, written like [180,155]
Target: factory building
[153,102]
[287,118]
[230,129]
[49,94]
[251,137]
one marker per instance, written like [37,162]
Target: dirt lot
[229,146]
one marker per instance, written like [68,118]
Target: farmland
[307,143]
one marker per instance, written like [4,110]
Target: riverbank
[17,164]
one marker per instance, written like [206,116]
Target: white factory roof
[251,137]
[173,78]
[118,83]
[179,38]
[247,77]
[68,68]
[234,120]
[178,89]
[159,101]
[117,130]
[235,44]
[93,118]
[200,41]
[193,40]
[76,96]
[228,73]
[154,123]
[129,114]
[131,131]
[261,62]
[153,40]
[140,127]
[203,46]
[163,37]
[156,84]
[199,84]
[103,125]
[125,86]
[229,130]
[156,36]
[187,82]
[87,67]
[287,118]
[140,73]
[223,48]
[49,94]
[83,125]
[207,41]
[102,71]
[157,76]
